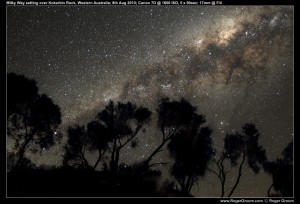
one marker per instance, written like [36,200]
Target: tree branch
[100,157]
[133,135]
[239,174]
[269,190]
[222,176]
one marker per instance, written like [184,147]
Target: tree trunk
[116,162]
[223,177]
[269,191]
[239,175]
[21,153]
[98,160]
[112,159]
[85,162]
[155,152]
[187,186]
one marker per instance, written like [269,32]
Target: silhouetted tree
[189,144]
[122,122]
[236,146]
[32,118]
[282,173]
[192,150]
[98,138]
[82,140]
[75,148]
[21,93]
[11,161]
[173,116]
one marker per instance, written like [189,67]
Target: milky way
[234,63]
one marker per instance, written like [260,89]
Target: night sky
[235,63]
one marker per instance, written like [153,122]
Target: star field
[235,63]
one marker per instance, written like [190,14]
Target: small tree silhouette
[75,148]
[282,173]
[112,129]
[122,123]
[192,150]
[32,118]
[236,146]
[173,116]
[11,161]
[179,125]
[81,140]
[21,92]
